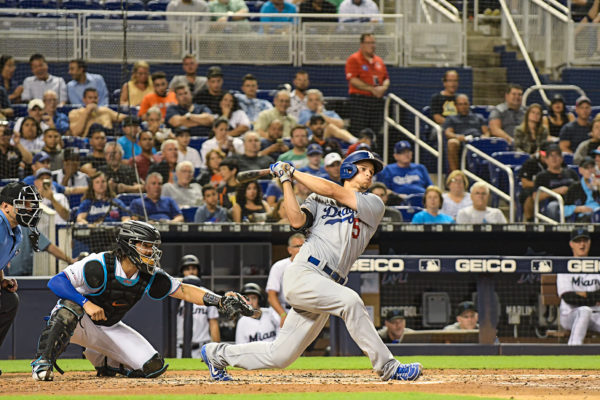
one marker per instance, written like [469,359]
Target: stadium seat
[196,142]
[82,5]
[189,213]
[6,181]
[116,96]
[408,212]
[67,108]
[157,5]
[127,198]
[264,184]
[130,5]
[76,141]
[568,158]
[488,145]
[38,4]
[8,4]
[415,200]
[498,177]
[74,200]
[20,110]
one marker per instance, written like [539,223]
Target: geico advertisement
[485,265]
[378,265]
[583,266]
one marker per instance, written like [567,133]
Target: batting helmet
[187,260]
[133,232]
[348,168]
[253,288]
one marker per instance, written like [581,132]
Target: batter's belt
[337,278]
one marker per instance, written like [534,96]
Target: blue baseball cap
[314,148]
[41,157]
[579,233]
[402,146]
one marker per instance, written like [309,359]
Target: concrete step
[488,89]
[478,59]
[489,101]
[483,44]
[497,74]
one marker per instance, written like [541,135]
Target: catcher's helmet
[133,232]
[348,168]
[189,259]
[253,288]
[26,201]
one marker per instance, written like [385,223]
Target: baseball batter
[262,329]
[579,293]
[96,292]
[339,222]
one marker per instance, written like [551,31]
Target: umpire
[20,206]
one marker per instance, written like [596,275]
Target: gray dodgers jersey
[339,235]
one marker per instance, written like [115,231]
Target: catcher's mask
[139,241]
[26,202]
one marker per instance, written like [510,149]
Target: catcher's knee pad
[58,331]
[151,369]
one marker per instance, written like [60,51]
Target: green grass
[272,396]
[316,363]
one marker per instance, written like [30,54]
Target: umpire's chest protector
[117,295]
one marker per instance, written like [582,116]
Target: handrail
[536,206]
[445,12]
[524,53]
[560,6]
[426,12]
[414,136]
[530,89]
[510,197]
[450,7]
[552,10]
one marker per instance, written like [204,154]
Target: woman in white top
[239,123]
[221,140]
[457,197]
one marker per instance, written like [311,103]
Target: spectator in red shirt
[368,80]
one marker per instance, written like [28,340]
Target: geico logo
[484,265]
[378,265]
[583,266]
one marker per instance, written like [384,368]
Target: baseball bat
[253,174]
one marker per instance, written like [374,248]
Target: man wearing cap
[205,320]
[588,146]
[273,145]
[579,293]
[281,103]
[197,118]
[129,141]
[35,86]
[555,178]
[42,160]
[161,97]
[394,327]
[57,201]
[575,132]
[191,77]
[69,175]
[10,156]
[368,81]
[314,153]
[297,155]
[332,162]
[251,159]
[35,110]
[81,119]
[19,206]
[404,177]
[583,197]
[466,317]
[210,95]
[505,117]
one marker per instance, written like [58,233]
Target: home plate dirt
[515,384]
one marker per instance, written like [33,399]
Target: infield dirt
[516,384]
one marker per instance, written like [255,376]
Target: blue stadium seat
[74,199]
[484,111]
[408,212]
[568,158]
[498,177]
[82,5]
[488,145]
[20,110]
[76,141]
[130,5]
[266,94]
[127,198]
[38,4]
[254,6]
[116,96]
[415,200]
[8,3]
[189,213]
[111,139]
[264,184]
[196,142]
[67,108]
[157,5]
[6,181]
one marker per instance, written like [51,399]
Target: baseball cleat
[41,370]
[408,372]
[216,374]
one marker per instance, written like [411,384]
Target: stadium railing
[537,215]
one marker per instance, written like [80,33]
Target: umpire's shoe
[42,370]
[216,374]
[408,372]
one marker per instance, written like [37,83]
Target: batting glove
[283,171]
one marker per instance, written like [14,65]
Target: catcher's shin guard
[55,338]
[151,369]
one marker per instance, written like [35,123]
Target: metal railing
[533,88]
[537,215]
[510,196]
[97,36]
[416,136]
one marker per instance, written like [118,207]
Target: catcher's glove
[234,304]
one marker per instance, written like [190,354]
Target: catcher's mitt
[234,304]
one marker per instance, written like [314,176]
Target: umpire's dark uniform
[10,239]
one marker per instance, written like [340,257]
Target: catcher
[96,293]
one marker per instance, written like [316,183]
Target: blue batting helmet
[348,168]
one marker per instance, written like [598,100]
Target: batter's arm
[296,217]
[326,188]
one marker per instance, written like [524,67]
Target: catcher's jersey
[576,283]
[264,329]
[200,317]
[339,235]
[75,274]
